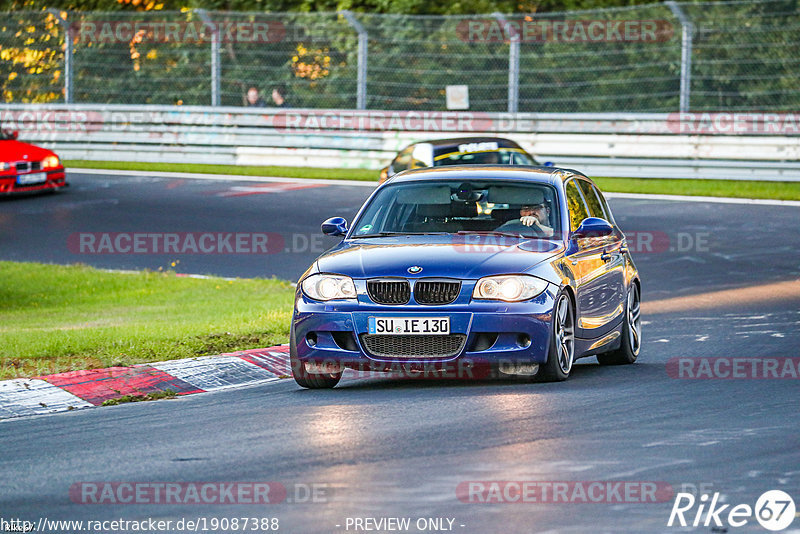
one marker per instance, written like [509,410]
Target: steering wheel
[518,227]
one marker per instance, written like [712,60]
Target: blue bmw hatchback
[451,271]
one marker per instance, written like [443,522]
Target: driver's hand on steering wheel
[531,220]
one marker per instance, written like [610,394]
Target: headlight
[4,166]
[510,288]
[329,287]
[50,162]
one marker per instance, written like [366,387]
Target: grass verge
[61,318]
[168,394]
[282,172]
[703,188]
[656,186]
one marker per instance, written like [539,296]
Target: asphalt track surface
[394,447]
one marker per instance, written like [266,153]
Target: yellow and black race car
[459,151]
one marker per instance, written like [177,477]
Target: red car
[25,168]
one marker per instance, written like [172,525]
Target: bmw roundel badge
[414,269]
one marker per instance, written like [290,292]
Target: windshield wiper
[389,234]
[492,232]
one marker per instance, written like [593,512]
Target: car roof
[455,141]
[549,175]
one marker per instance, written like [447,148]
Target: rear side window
[577,209]
[609,215]
[592,202]
[403,160]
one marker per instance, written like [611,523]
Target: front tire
[631,342]
[561,355]
[303,377]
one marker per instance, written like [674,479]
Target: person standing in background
[253,99]
[279,96]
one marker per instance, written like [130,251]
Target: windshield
[494,206]
[502,156]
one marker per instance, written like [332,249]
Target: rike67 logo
[774,510]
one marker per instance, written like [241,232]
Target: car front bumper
[331,335]
[56,179]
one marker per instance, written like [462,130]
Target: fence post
[215,56]
[67,52]
[687,29]
[513,62]
[361,84]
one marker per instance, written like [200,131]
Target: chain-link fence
[721,56]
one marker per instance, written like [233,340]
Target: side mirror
[593,227]
[384,175]
[335,226]
[15,134]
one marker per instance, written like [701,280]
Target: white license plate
[409,325]
[33,178]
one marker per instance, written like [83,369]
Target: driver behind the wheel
[535,215]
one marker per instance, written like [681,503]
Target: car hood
[11,150]
[468,257]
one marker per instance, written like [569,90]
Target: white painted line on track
[714,200]
[360,183]
[28,396]
[228,177]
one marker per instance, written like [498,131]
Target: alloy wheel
[634,320]
[565,334]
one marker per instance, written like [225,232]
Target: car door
[614,291]
[598,305]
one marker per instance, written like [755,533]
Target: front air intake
[420,347]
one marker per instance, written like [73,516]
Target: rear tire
[303,377]
[561,355]
[631,342]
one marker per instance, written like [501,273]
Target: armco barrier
[733,146]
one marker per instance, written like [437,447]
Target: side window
[592,202]
[609,215]
[374,224]
[403,160]
[417,164]
[577,209]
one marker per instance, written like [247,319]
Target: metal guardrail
[733,146]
